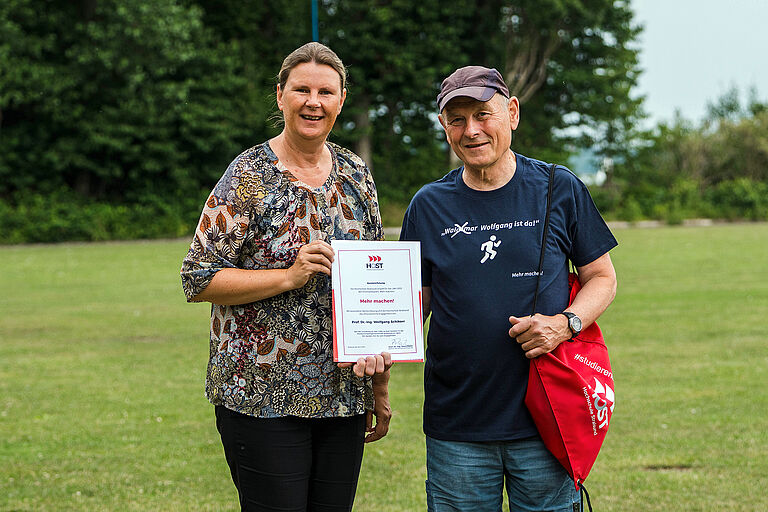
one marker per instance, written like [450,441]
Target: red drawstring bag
[570,390]
[571,397]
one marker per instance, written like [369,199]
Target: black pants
[293,464]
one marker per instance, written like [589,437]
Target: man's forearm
[593,299]
[598,289]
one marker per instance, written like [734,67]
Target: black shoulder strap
[544,235]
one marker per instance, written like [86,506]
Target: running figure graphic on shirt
[488,248]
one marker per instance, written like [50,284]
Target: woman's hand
[376,367]
[381,408]
[371,365]
[312,258]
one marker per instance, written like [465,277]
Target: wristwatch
[574,323]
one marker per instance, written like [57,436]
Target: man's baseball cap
[475,82]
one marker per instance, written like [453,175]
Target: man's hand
[539,334]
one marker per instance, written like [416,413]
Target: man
[480,229]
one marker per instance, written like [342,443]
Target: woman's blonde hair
[312,52]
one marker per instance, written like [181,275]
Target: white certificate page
[377,300]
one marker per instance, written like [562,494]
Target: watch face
[575,323]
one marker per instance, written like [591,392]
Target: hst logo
[374,262]
[604,399]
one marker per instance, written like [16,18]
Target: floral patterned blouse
[274,357]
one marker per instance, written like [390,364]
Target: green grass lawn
[102,365]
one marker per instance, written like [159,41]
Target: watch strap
[571,316]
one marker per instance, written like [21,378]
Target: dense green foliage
[116,119]
[111,103]
[718,169]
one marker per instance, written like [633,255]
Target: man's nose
[472,128]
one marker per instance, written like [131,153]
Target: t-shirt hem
[481,436]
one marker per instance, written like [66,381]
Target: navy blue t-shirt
[480,255]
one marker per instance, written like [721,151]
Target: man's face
[480,132]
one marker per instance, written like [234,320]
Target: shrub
[740,198]
[57,218]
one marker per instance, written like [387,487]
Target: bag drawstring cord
[550,187]
[583,491]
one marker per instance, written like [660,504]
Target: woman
[292,422]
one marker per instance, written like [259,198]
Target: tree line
[117,118]
[716,168]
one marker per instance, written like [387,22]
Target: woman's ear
[279,96]
[343,97]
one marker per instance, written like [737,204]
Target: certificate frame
[376,293]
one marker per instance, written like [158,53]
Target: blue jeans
[470,477]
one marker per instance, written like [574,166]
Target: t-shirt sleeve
[591,237]
[410,233]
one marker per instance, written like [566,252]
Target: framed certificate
[377,300]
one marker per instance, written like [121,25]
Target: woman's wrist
[380,380]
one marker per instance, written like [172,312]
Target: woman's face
[311,100]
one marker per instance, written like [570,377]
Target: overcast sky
[692,51]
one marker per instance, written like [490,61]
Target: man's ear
[514,112]
[445,128]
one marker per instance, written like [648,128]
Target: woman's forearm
[237,286]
